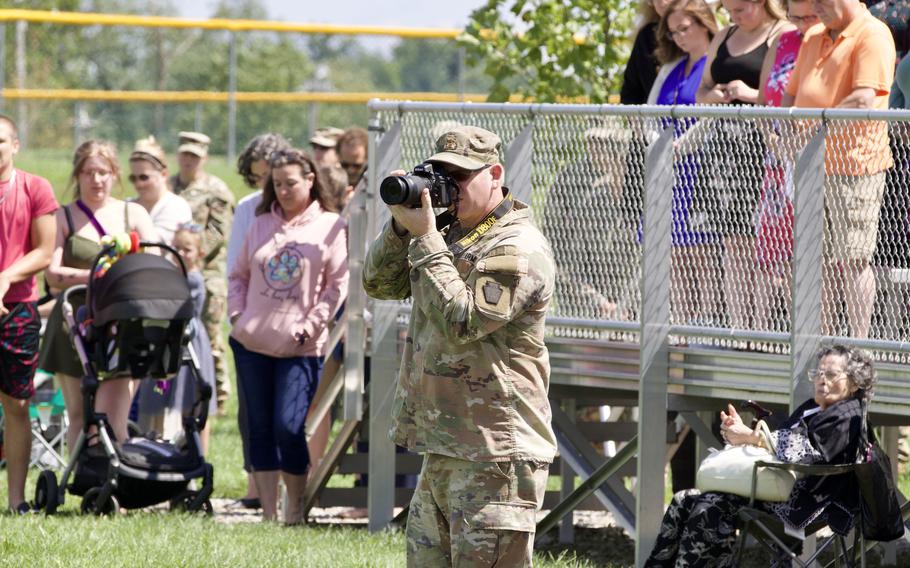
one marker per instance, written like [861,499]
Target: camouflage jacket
[475,371]
[213,208]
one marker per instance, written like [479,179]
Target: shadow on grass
[608,546]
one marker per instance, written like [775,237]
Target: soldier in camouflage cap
[472,390]
[213,208]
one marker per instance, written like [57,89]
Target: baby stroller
[133,324]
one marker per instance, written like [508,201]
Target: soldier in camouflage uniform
[213,209]
[472,390]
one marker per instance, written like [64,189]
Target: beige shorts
[853,205]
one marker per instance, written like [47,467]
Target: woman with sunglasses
[148,174]
[94,213]
[286,284]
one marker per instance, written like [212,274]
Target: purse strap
[765,434]
[865,441]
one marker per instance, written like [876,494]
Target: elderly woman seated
[699,529]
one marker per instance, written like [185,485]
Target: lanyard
[481,229]
[91,217]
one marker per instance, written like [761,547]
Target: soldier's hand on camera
[418,222]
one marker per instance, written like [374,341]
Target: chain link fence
[735,178]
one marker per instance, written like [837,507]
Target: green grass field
[158,538]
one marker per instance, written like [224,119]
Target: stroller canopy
[141,286]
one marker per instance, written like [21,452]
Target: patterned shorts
[19,335]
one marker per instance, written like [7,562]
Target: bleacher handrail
[652,111]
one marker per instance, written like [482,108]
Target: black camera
[405,190]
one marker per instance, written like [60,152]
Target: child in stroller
[161,405]
[133,325]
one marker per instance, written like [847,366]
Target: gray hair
[859,368]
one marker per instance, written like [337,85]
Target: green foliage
[136,58]
[548,50]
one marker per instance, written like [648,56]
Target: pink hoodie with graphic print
[289,277]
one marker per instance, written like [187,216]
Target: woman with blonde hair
[94,213]
[732,180]
[148,174]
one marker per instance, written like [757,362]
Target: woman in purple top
[683,37]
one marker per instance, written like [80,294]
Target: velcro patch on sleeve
[511,264]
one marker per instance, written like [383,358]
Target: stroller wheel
[90,503]
[188,502]
[47,498]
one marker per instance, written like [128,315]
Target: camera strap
[481,229]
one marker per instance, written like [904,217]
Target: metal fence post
[2,65]
[655,326]
[567,475]
[22,104]
[519,155]
[77,123]
[808,242]
[462,54]
[385,360]
[232,98]
[197,117]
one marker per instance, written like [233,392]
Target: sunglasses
[190,227]
[462,176]
[352,166]
[141,177]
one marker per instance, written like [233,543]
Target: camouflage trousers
[467,513]
[213,315]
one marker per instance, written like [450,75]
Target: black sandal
[22,508]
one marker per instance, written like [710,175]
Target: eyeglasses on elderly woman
[830,377]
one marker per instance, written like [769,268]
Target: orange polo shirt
[827,70]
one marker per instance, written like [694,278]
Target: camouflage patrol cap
[194,143]
[467,147]
[326,137]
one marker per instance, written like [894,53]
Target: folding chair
[49,424]
[768,530]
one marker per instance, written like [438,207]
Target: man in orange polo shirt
[848,62]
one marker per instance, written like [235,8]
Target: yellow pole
[93,19]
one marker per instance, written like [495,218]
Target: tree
[547,50]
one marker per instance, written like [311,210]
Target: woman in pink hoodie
[286,284]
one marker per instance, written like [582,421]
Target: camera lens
[403,190]
[394,190]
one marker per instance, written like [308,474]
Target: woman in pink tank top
[774,229]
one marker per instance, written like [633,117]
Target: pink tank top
[784,62]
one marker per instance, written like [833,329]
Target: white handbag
[730,471]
